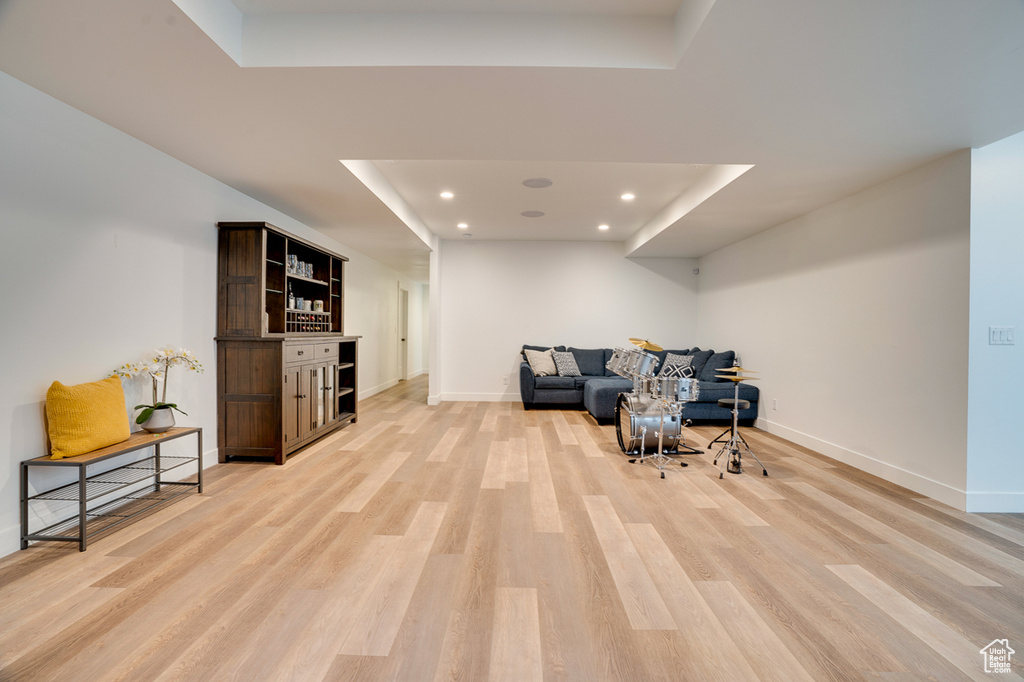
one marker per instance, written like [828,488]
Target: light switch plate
[1002,336]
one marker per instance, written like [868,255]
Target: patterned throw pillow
[677,366]
[566,364]
[541,362]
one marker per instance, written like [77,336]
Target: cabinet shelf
[307,279]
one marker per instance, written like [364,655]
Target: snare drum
[617,363]
[674,389]
[632,413]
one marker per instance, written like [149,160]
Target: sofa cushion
[662,354]
[601,393]
[715,364]
[678,366]
[566,364]
[589,360]
[540,348]
[541,362]
[608,352]
[713,391]
[547,382]
[700,358]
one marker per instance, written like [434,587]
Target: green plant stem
[167,370]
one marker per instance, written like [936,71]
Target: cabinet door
[329,377]
[316,401]
[306,400]
[296,404]
[292,391]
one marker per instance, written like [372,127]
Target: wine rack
[307,322]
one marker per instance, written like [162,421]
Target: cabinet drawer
[327,351]
[299,352]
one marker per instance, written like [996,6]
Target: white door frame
[403,333]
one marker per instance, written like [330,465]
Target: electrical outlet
[775,403]
[504,380]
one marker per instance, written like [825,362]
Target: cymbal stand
[734,459]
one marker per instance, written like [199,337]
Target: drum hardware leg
[643,434]
[718,438]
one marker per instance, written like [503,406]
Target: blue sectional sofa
[598,388]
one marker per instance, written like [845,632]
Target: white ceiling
[822,99]
[490,196]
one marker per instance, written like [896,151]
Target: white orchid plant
[157,369]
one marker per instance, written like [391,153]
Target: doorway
[403,333]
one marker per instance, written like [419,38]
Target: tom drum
[618,362]
[673,389]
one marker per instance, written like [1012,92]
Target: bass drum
[633,412]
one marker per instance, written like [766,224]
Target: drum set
[649,420]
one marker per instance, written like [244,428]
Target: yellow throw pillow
[86,417]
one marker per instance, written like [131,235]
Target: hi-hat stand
[733,461]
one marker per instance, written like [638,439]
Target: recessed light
[602,227]
[532,214]
[537,183]
[447,195]
[462,226]
[628,196]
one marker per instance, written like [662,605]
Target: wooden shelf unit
[285,377]
[97,510]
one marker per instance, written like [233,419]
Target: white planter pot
[161,420]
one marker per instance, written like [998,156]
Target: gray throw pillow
[715,364]
[700,358]
[566,364]
[677,366]
[541,362]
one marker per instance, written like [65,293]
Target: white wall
[497,296]
[995,459]
[857,315]
[107,251]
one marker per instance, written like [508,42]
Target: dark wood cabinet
[286,376]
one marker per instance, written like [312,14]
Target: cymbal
[737,369]
[733,377]
[646,345]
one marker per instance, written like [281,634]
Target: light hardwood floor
[476,541]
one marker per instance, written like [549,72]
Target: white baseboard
[433,400]
[366,393]
[413,375]
[481,397]
[894,474]
[10,539]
